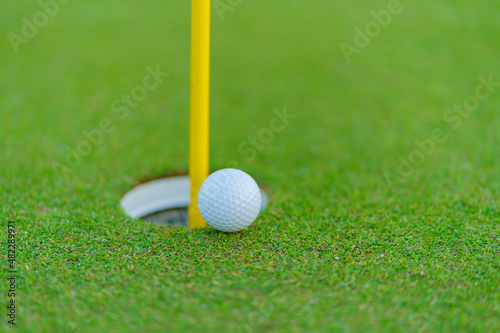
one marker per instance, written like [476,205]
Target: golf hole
[164,201]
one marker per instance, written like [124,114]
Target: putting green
[383,209]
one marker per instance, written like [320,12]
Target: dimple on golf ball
[229,200]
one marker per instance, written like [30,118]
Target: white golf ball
[229,200]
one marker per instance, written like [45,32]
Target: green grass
[339,249]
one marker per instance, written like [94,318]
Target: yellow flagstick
[199,105]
